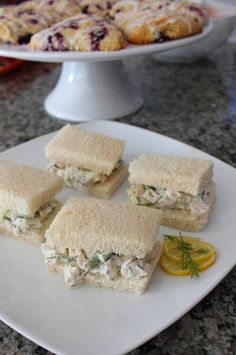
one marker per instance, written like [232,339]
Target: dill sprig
[186,249]
[97,259]
[186,260]
[202,251]
[64,259]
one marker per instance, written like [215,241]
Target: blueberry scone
[80,33]
[18,30]
[122,6]
[96,7]
[195,10]
[127,6]
[146,22]
[19,23]
[58,10]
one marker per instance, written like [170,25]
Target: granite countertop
[194,103]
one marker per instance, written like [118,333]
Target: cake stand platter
[94,85]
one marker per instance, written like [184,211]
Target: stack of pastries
[98,25]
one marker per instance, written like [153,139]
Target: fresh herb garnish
[202,251]
[203,197]
[63,259]
[96,260]
[143,202]
[170,237]
[186,249]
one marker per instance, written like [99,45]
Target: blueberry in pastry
[80,33]
[96,7]
[19,23]
[157,21]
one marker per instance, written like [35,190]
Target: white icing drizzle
[157,14]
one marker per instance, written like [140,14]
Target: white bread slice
[171,172]
[135,285]
[92,225]
[24,188]
[35,236]
[184,220]
[93,151]
[107,188]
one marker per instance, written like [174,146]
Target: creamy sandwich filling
[76,176]
[158,197]
[75,265]
[21,223]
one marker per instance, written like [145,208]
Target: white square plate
[96,321]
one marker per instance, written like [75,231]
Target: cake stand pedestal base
[89,91]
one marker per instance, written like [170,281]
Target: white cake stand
[94,85]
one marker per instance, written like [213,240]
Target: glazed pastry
[98,7]
[127,6]
[51,8]
[19,29]
[19,23]
[143,27]
[4,10]
[159,5]
[141,22]
[80,33]
[58,10]
[195,10]
[150,22]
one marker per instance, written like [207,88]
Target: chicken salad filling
[76,265]
[158,197]
[22,223]
[76,176]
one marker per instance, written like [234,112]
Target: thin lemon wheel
[174,267]
[170,249]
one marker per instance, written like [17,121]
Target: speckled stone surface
[194,103]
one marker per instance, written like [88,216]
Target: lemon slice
[170,249]
[174,267]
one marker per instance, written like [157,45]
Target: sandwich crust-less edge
[93,224]
[171,172]
[183,220]
[25,189]
[179,174]
[85,149]
[35,236]
[106,189]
